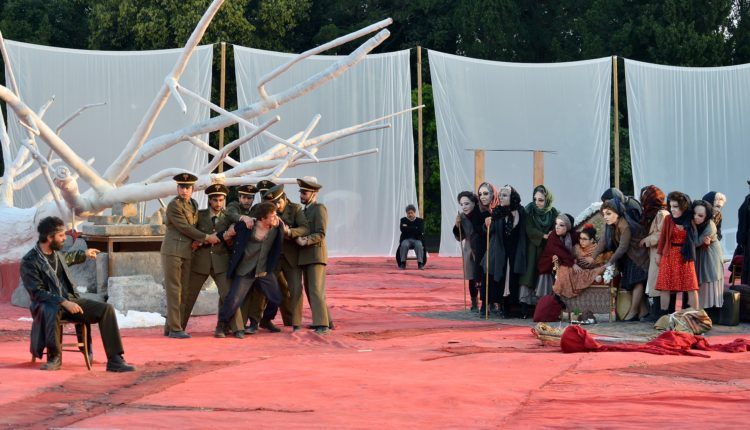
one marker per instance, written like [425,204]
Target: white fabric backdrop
[688,132]
[365,196]
[563,107]
[127,82]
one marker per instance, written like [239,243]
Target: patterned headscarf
[494,197]
[544,217]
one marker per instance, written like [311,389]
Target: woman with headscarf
[653,201]
[622,235]
[558,249]
[676,252]
[709,257]
[540,221]
[574,276]
[507,252]
[631,205]
[488,201]
[468,230]
[717,201]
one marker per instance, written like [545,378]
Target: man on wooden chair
[46,277]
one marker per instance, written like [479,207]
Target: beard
[56,246]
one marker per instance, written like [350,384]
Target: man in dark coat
[412,237]
[253,263]
[743,236]
[46,277]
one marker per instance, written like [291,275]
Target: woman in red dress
[676,252]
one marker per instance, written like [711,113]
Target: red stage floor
[394,361]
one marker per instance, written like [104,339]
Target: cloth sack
[687,321]
[548,309]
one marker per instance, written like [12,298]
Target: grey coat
[709,260]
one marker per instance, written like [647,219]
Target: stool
[81,344]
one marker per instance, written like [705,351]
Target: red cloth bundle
[576,339]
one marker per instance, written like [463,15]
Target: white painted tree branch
[43,109]
[117,171]
[224,153]
[75,115]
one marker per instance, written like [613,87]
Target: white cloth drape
[128,83]
[688,132]
[510,110]
[365,196]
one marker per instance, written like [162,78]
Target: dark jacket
[240,241]
[411,229]
[497,257]
[46,293]
[556,246]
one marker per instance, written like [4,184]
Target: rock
[20,297]
[102,273]
[84,275]
[139,292]
[157,218]
[125,209]
[208,299]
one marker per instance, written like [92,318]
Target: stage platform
[404,355]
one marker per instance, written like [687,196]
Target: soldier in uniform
[176,252]
[290,276]
[263,187]
[244,203]
[252,265]
[212,260]
[313,255]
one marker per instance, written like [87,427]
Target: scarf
[494,198]
[543,218]
[710,197]
[567,240]
[686,221]
[709,215]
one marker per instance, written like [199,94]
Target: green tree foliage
[675,32]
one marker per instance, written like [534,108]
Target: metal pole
[617,121]
[222,93]
[420,135]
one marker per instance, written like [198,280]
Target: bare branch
[43,109]
[218,158]
[119,168]
[75,115]
[322,48]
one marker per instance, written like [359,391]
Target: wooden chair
[735,273]
[81,344]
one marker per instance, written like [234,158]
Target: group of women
[660,245]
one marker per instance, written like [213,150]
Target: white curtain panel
[688,132]
[510,110]
[128,82]
[365,196]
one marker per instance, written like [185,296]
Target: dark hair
[590,230]
[411,208]
[48,227]
[469,195]
[265,209]
[682,200]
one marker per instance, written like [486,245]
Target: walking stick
[463,262]
[487,277]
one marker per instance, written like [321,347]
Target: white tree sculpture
[62,173]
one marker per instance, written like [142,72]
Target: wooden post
[538,168]
[420,137]
[222,86]
[478,168]
[617,121]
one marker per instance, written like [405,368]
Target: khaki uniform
[236,210]
[210,260]
[312,261]
[176,254]
[289,275]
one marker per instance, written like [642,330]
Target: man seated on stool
[45,275]
[412,237]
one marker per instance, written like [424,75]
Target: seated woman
[574,274]
[557,249]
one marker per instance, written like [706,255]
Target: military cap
[309,183]
[247,190]
[264,185]
[185,179]
[217,189]
[274,193]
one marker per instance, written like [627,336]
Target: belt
[677,244]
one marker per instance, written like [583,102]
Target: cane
[463,262]
[487,276]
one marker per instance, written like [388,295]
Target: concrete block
[139,292]
[123,230]
[20,297]
[208,299]
[84,275]
[102,273]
